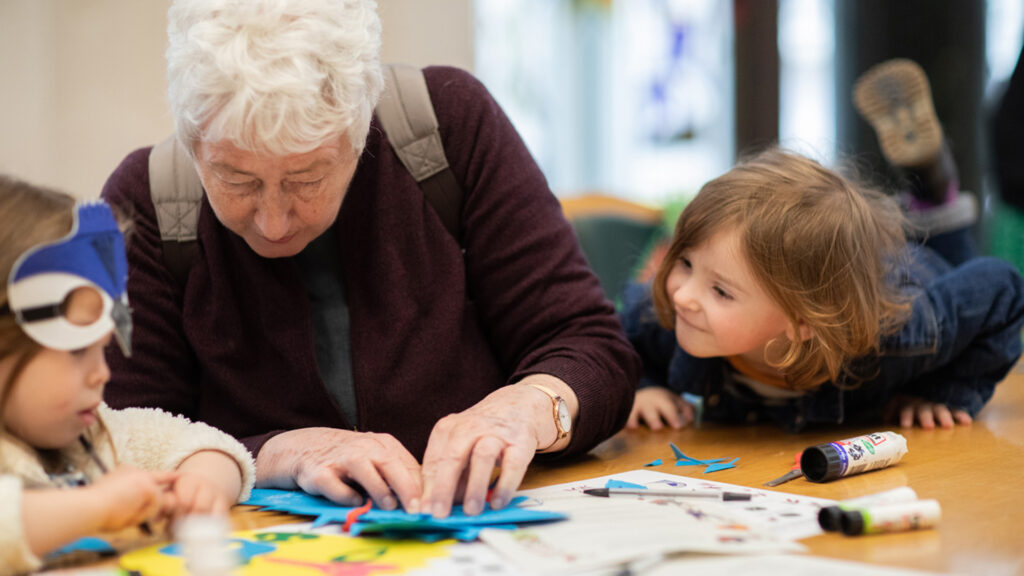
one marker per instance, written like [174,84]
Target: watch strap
[556,400]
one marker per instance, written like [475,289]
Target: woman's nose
[272,215]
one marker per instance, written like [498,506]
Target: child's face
[55,397]
[720,309]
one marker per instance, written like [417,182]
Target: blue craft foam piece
[90,544]
[654,463]
[679,453]
[302,504]
[710,462]
[620,484]
[725,466]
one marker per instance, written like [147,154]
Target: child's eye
[685,262]
[722,293]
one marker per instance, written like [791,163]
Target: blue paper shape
[613,483]
[302,504]
[90,544]
[418,531]
[679,453]
[654,463]
[245,549]
[692,462]
[712,464]
[717,467]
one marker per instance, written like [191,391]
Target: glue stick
[826,462]
[829,517]
[206,545]
[898,517]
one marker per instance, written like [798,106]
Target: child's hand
[209,482]
[128,496]
[197,494]
[907,408]
[655,405]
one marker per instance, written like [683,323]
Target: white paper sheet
[609,532]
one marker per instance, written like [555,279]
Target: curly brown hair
[824,248]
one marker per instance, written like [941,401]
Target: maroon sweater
[433,331]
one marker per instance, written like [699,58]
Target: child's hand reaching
[128,496]
[197,494]
[208,482]
[906,409]
[656,405]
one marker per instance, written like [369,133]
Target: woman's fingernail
[497,502]
[413,507]
[388,503]
[472,507]
[438,510]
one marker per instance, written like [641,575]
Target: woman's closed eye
[240,185]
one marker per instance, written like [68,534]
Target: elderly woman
[329,320]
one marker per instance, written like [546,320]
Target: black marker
[668,493]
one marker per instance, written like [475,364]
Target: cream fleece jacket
[145,438]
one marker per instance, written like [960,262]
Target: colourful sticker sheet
[299,554]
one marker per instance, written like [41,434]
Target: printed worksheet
[614,531]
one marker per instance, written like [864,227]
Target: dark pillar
[757,73]
[947,38]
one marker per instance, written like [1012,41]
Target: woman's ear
[805,331]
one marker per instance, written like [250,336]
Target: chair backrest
[616,236]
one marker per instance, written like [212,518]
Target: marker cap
[821,463]
[830,518]
[851,522]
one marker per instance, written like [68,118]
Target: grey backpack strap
[177,195]
[407,116]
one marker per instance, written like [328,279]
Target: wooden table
[974,472]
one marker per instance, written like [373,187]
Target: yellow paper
[300,554]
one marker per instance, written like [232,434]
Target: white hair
[275,76]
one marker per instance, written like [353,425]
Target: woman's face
[56,395]
[277,204]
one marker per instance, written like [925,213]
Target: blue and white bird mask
[70,293]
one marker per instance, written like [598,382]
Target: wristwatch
[560,411]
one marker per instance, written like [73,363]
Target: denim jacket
[963,336]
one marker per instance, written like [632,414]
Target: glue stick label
[826,462]
[869,452]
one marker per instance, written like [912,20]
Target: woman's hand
[655,405]
[908,408]
[337,463]
[208,482]
[504,430]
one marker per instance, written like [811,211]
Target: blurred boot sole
[894,97]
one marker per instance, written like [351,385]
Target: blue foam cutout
[654,463]
[302,504]
[90,544]
[725,466]
[679,453]
[613,483]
